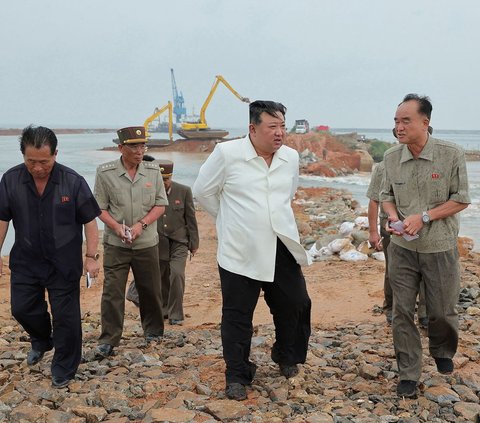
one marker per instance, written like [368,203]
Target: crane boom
[202,123]
[179,109]
[157,112]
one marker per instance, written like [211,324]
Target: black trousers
[289,305]
[29,308]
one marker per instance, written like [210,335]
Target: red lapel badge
[435,176]
[65,198]
[148,185]
[177,202]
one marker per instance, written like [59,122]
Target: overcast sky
[337,62]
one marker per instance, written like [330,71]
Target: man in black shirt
[48,204]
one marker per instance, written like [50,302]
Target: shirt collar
[122,171]
[425,154]
[250,152]
[54,175]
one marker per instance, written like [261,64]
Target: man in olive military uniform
[380,241]
[178,234]
[425,186]
[132,197]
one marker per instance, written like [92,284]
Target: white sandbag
[362,222]
[346,228]
[379,255]
[353,255]
[325,252]
[316,218]
[313,249]
[322,252]
[338,245]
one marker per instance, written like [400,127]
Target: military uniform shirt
[417,185]
[178,223]
[128,200]
[375,187]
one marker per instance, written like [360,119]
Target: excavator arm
[202,124]
[157,112]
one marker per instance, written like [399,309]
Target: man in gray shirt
[425,186]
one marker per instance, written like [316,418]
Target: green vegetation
[377,149]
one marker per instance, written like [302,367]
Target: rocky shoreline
[350,374]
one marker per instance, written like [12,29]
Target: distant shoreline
[470,155]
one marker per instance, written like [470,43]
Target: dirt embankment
[330,155]
[324,154]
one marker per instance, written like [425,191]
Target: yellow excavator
[200,129]
[156,113]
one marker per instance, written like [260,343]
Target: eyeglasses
[136,147]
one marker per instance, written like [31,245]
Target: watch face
[426,218]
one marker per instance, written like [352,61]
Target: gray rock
[227,410]
[465,393]
[467,410]
[441,395]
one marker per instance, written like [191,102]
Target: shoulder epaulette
[107,166]
[151,165]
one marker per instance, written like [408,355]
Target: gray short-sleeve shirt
[439,174]
[375,186]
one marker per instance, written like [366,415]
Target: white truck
[302,126]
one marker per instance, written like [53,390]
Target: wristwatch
[144,225]
[95,256]
[425,217]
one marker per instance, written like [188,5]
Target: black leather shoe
[407,389]
[175,322]
[423,322]
[288,370]
[236,391]
[34,357]
[60,382]
[104,350]
[444,365]
[154,338]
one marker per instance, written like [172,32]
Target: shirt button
[165,225]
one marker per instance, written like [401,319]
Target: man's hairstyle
[269,107]
[38,137]
[424,104]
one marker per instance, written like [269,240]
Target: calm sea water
[83,153]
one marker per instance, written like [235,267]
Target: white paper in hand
[398,226]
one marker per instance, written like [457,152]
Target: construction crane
[156,113]
[200,128]
[179,109]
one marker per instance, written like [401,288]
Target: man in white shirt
[247,186]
